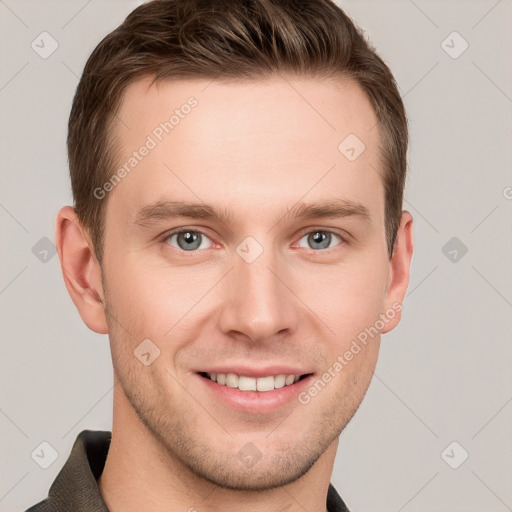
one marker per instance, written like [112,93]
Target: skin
[255,149]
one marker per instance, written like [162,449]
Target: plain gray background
[444,375]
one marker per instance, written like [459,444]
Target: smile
[245,383]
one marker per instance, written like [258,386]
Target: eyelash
[168,236]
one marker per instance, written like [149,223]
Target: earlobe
[80,269]
[399,269]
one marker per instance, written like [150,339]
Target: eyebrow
[165,210]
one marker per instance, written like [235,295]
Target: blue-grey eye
[319,239]
[188,240]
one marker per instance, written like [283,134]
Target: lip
[255,402]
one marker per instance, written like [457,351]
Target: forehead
[329,105]
[269,141]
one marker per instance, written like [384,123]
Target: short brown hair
[223,39]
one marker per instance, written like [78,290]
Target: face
[249,253]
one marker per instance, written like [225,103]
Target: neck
[139,475]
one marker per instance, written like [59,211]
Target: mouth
[259,384]
[255,392]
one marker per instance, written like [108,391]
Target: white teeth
[279,381]
[265,383]
[290,379]
[245,383]
[232,380]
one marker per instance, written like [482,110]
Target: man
[238,172]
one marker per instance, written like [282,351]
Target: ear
[80,269]
[399,267]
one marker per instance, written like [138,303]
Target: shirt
[76,489]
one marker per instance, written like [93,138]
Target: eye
[188,240]
[319,239]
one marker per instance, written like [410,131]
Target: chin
[264,475]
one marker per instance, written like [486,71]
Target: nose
[259,303]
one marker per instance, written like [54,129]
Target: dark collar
[76,487]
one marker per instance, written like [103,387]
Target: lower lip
[256,401]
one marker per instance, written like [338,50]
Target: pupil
[321,238]
[191,240]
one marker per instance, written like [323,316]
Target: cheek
[347,298]
[153,298]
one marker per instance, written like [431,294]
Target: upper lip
[256,372]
